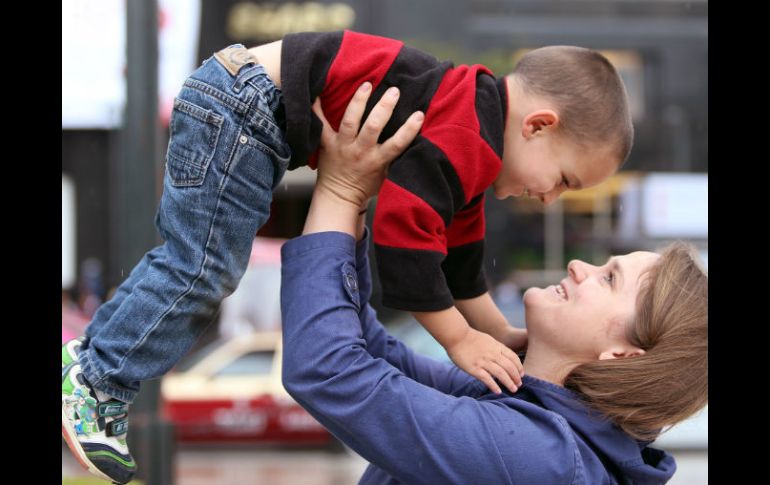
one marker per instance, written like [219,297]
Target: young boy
[560,121]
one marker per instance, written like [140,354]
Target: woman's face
[584,316]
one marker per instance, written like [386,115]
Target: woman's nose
[577,270]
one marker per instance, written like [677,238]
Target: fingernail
[393,92]
[419,116]
[365,87]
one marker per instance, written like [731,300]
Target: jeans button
[243,139]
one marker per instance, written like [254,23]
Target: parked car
[231,391]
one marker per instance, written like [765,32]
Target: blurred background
[221,416]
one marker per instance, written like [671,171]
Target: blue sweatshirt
[419,421]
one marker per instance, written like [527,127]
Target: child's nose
[551,197]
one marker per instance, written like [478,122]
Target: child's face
[544,165]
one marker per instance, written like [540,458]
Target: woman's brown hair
[644,394]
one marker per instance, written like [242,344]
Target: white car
[231,391]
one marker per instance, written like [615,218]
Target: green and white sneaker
[94,429]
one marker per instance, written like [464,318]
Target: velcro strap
[111,408]
[117,427]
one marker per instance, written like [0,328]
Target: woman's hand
[351,164]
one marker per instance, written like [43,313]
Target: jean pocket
[194,132]
[267,159]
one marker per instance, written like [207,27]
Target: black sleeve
[491,118]
[463,266]
[305,61]
[464,270]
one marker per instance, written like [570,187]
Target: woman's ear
[621,352]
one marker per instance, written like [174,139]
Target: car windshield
[259,362]
[193,358]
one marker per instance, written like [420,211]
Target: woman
[615,353]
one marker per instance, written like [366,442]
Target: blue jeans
[226,154]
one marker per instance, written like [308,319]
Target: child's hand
[485,358]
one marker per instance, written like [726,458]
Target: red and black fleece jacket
[429,220]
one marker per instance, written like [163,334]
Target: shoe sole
[69,435]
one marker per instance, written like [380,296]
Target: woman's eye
[610,278]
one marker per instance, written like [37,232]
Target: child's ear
[536,121]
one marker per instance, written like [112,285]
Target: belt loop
[245,74]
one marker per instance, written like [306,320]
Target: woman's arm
[414,433]
[362,148]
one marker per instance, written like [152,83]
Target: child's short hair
[590,96]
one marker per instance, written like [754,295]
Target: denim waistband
[238,91]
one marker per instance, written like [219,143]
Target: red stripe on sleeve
[452,125]
[467,226]
[403,220]
[361,58]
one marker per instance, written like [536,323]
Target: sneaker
[95,430]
